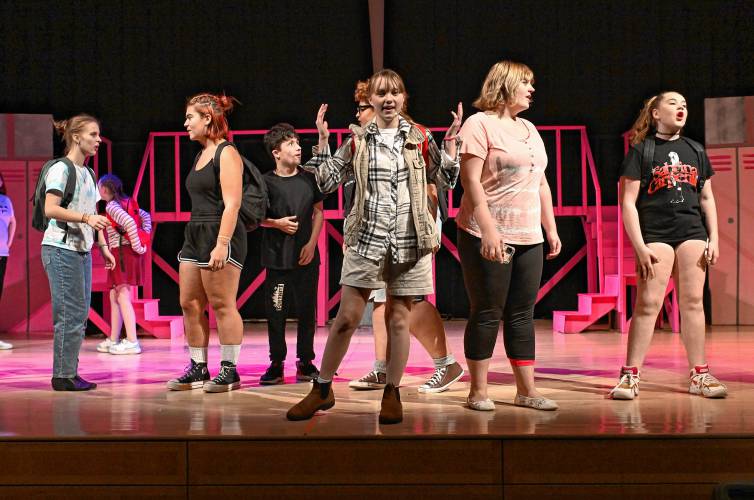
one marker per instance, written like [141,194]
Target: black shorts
[676,242]
[200,238]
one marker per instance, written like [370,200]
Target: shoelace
[625,379]
[437,377]
[705,379]
[371,375]
[223,373]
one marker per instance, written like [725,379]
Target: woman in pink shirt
[506,202]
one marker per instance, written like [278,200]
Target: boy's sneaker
[5,346]
[702,382]
[194,377]
[306,371]
[226,380]
[274,374]
[125,346]
[628,386]
[372,380]
[442,379]
[105,345]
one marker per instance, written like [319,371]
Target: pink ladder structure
[619,277]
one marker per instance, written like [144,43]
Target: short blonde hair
[501,83]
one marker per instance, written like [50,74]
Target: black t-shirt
[668,205]
[294,195]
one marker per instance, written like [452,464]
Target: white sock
[444,361]
[230,353]
[380,365]
[198,354]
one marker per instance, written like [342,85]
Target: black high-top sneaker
[72,384]
[273,375]
[194,377]
[226,380]
[306,371]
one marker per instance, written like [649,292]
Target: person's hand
[97,222]
[307,253]
[553,241]
[322,129]
[645,261]
[287,224]
[712,253]
[109,258]
[217,257]
[492,246]
[457,119]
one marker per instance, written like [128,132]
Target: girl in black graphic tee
[670,217]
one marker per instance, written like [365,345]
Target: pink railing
[325,302]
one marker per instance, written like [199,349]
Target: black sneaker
[72,384]
[194,377]
[274,374]
[306,371]
[226,380]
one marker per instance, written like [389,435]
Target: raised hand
[322,129]
[457,119]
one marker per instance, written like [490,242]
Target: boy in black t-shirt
[289,252]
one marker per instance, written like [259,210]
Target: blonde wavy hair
[500,84]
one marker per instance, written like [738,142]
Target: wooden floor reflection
[575,370]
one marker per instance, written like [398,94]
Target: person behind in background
[214,247]
[7,232]
[66,248]
[670,217]
[124,241]
[290,254]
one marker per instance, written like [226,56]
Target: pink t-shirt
[513,169]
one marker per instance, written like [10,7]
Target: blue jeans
[70,276]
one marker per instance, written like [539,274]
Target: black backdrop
[133,64]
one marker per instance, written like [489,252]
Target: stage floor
[575,370]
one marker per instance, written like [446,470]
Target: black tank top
[203,189]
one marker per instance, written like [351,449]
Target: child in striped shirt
[128,239]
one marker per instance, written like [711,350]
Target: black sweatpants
[500,291]
[279,286]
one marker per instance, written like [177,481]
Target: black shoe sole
[274,381]
[390,421]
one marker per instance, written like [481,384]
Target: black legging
[492,298]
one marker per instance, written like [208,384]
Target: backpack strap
[647,155]
[702,159]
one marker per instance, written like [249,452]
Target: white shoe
[628,385]
[540,403]
[125,346]
[4,346]
[105,345]
[484,405]
[705,384]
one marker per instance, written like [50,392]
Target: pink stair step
[148,317]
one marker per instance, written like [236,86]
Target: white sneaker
[702,382]
[5,346]
[628,386]
[105,345]
[483,405]
[125,346]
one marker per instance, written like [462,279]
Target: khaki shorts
[404,279]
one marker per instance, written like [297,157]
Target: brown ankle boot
[392,410]
[312,403]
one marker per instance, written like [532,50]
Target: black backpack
[648,153]
[254,198]
[38,219]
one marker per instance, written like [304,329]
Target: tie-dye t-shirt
[512,171]
[85,197]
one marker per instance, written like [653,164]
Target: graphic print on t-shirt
[671,176]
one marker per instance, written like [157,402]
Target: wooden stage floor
[516,452]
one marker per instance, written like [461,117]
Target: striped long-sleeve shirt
[127,223]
